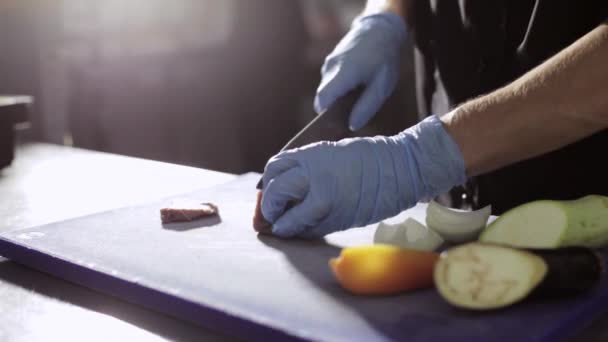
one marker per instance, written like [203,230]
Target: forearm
[399,7]
[557,103]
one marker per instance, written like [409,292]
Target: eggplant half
[486,276]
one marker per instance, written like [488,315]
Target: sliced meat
[186,214]
[259,222]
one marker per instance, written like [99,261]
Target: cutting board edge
[138,294]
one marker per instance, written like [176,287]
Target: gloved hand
[368,55]
[359,181]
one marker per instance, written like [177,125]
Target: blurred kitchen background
[218,84]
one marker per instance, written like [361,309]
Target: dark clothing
[468,48]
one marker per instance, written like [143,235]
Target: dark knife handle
[332,126]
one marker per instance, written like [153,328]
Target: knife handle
[338,113]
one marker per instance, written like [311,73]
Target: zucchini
[550,224]
[486,276]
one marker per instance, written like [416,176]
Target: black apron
[468,48]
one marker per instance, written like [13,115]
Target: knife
[331,124]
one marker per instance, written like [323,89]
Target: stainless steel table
[49,183]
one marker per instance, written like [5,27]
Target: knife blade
[331,124]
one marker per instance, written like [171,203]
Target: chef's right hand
[368,55]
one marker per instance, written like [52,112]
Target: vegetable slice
[456,225]
[545,224]
[408,234]
[484,276]
[383,269]
[260,224]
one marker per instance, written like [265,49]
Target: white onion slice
[455,225]
[408,234]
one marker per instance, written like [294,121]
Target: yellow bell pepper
[383,269]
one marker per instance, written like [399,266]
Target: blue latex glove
[368,55]
[359,181]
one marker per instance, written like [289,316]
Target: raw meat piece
[188,213]
[259,222]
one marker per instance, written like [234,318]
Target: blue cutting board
[220,274]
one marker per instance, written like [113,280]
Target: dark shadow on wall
[219,107]
[151,89]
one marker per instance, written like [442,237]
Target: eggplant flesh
[485,276]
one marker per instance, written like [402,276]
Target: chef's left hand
[356,182]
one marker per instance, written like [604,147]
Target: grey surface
[49,183]
[224,264]
[221,263]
